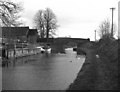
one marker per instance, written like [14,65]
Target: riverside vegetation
[99,73]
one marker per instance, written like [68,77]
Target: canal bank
[99,72]
[14,55]
[86,77]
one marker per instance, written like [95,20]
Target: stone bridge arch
[58,44]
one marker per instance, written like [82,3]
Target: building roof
[14,32]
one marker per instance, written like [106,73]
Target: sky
[77,18]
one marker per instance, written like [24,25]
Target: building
[11,35]
[14,33]
[32,36]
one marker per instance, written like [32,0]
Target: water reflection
[54,72]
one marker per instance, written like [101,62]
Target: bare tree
[40,23]
[9,12]
[50,20]
[46,22]
[104,29]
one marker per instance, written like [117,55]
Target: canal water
[0,78]
[41,72]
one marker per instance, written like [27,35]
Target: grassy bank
[86,77]
[98,73]
[107,64]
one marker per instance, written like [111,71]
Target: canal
[39,72]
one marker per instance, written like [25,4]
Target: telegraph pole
[112,21]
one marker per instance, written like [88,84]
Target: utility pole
[112,21]
[95,35]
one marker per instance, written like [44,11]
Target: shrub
[108,48]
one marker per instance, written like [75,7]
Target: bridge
[58,44]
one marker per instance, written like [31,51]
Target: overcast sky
[77,18]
